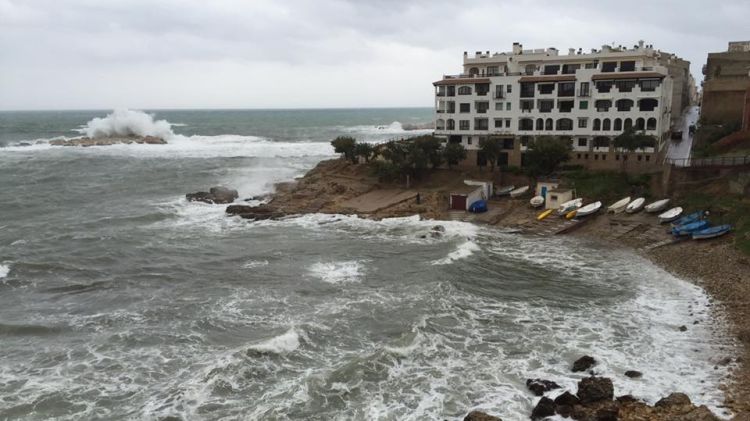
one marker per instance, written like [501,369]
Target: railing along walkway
[716,161]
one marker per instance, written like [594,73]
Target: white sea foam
[463,251]
[282,344]
[337,272]
[383,132]
[4,271]
[252,264]
[124,122]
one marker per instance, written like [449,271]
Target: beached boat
[670,215]
[519,191]
[690,228]
[657,206]
[544,214]
[536,201]
[571,214]
[693,217]
[619,206]
[569,206]
[636,205]
[712,232]
[589,209]
[504,191]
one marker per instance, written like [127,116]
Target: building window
[530,69]
[464,90]
[525,141]
[565,106]
[585,156]
[640,124]
[648,158]
[604,86]
[625,85]
[507,106]
[464,108]
[481,124]
[597,124]
[566,89]
[602,105]
[618,124]
[628,124]
[546,105]
[527,90]
[548,124]
[583,105]
[499,92]
[527,105]
[551,69]
[570,69]
[508,144]
[627,66]
[624,104]
[507,122]
[525,124]
[640,158]
[582,142]
[451,90]
[583,123]
[499,106]
[564,124]
[451,107]
[482,89]
[493,71]
[651,124]
[468,140]
[482,107]
[647,104]
[606,125]
[649,85]
[584,89]
[508,88]
[451,124]
[579,156]
[601,142]
[546,88]
[617,157]
[604,157]
[463,124]
[498,123]
[609,66]
[539,124]
[440,124]
[596,157]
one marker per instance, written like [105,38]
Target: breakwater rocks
[107,141]
[215,195]
[594,400]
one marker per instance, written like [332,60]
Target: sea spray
[124,122]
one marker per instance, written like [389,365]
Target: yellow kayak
[571,214]
[544,214]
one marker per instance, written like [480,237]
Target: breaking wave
[282,344]
[4,271]
[124,122]
[337,272]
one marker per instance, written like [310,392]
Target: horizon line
[3,110]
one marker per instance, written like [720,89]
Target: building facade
[588,98]
[726,84]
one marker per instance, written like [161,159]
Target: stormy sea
[121,300]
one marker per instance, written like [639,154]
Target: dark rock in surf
[544,408]
[255,212]
[480,416]
[567,398]
[674,399]
[595,389]
[633,374]
[539,386]
[609,412]
[583,363]
[216,195]
[683,328]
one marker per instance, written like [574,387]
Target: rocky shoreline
[334,186]
[108,141]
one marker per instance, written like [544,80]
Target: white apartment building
[587,97]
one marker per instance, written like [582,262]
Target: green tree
[545,154]
[631,140]
[431,147]
[345,145]
[491,147]
[365,150]
[453,153]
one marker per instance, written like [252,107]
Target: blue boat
[688,219]
[690,228]
[712,232]
[478,207]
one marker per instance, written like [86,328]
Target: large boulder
[255,212]
[674,399]
[583,363]
[543,409]
[567,398]
[595,389]
[539,386]
[216,195]
[480,416]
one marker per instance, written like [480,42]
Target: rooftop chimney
[640,44]
[571,51]
[517,48]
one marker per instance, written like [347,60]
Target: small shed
[462,197]
[542,187]
[558,196]
[487,186]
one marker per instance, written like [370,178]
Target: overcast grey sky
[74,54]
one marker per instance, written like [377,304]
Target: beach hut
[462,197]
[558,196]
[542,187]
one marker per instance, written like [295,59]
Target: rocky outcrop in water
[539,386]
[257,213]
[583,363]
[107,141]
[480,416]
[216,195]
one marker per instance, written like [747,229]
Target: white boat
[569,206]
[519,191]
[636,205]
[589,209]
[619,206]
[670,215]
[536,201]
[502,191]
[657,206]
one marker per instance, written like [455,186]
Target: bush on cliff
[364,150]
[345,145]
[545,154]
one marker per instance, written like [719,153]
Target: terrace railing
[716,161]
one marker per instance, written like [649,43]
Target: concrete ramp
[376,200]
